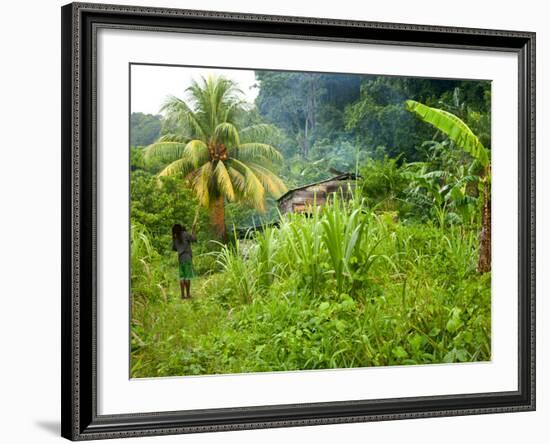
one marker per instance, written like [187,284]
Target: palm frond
[180,138]
[163,151]
[201,183]
[179,112]
[232,110]
[214,96]
[223,180]
[258,151]
[270,181]
[180,166]
[196,153]
[254,191]
[227,133]
[261,132]
[238,180]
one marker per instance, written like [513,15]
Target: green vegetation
[464,138]
[145,129]
[391,276]
[219,160]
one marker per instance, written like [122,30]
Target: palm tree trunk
[217,217]
[484,260]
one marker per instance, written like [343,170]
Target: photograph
[293,220]
[285,220]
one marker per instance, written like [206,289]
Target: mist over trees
[332,121]
[308,106]
[343,113]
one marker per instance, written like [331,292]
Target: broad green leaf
[453,127]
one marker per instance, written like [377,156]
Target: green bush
[383,184]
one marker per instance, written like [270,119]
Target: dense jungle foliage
[389,277]
[145,128]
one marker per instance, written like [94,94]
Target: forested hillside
[145,128]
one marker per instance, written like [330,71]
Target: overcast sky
[150,85]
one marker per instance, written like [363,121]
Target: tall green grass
[332,248]
[340,287]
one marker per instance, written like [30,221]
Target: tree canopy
[145,128]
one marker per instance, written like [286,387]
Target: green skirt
[186,271]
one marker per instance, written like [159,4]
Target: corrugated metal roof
[342,176]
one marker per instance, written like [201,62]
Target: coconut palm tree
[220,160]
[456,130]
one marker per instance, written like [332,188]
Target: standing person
[181,243]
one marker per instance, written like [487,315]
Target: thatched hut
[301,199]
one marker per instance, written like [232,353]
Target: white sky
[151,84]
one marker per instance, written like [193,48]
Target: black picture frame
[80,420]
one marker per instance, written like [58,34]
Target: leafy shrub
[383,184]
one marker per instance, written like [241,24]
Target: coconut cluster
[218,151]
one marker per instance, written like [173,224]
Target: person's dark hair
[177,230]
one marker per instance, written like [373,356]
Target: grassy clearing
[343,288]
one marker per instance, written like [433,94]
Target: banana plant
[462,136]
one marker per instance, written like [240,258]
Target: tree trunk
[217,217]
[484,260]
[306,139]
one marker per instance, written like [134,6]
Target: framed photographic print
[279,221]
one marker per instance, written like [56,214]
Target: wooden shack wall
[316,192]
